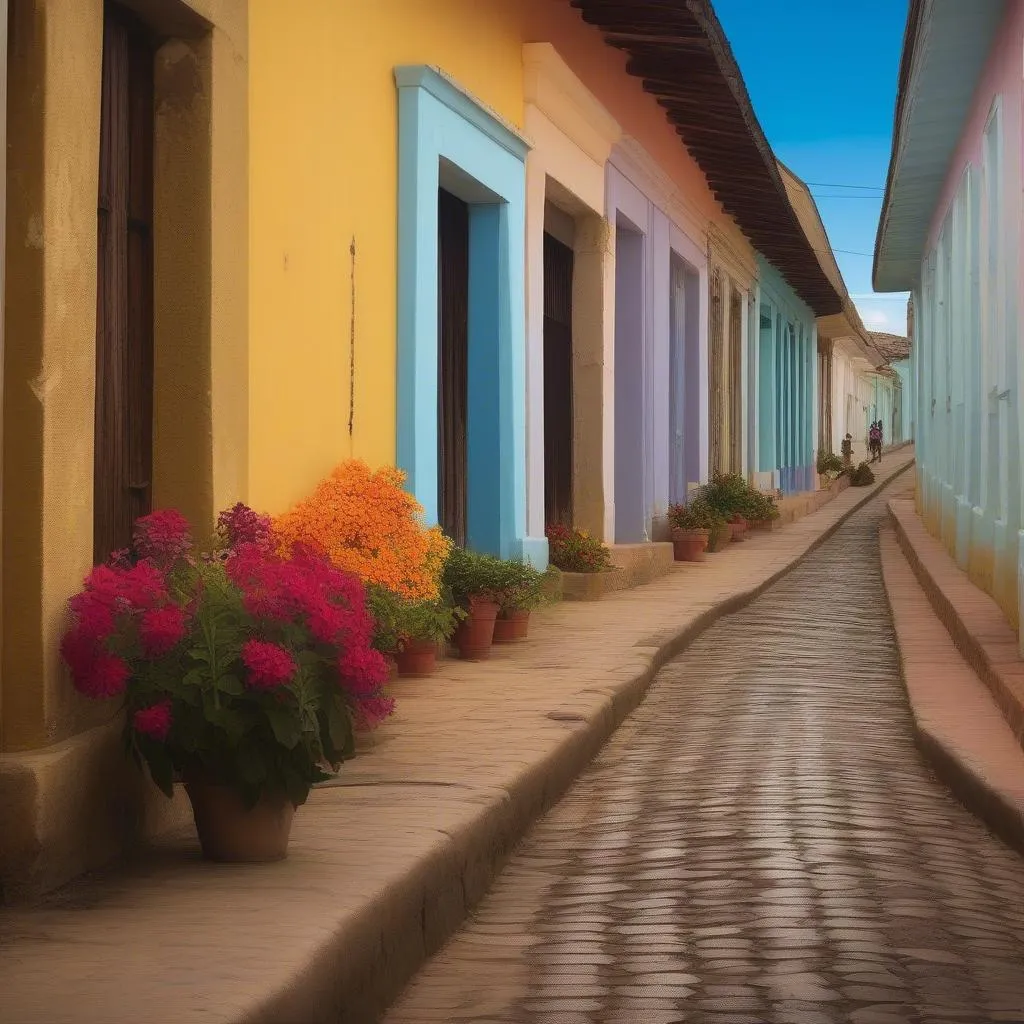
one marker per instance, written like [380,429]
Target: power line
[818,195]
[836,184]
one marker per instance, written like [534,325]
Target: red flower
[163,535]
[268,666]
[161,629]
[371,711]
[154,721]
[241,525]
[363,670]
[105,676]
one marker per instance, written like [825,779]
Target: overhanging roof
[847,323]
[679,51]
[892,347]
[945,47]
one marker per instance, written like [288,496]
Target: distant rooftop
[892,347]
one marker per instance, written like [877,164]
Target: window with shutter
[558,406]
[124,294]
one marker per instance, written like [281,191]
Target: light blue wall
[786,367]
[444,137]
[907,399]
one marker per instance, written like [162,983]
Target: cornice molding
[446,90]
[550,85]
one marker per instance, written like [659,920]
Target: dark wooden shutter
[735,381]
[715,373]
[124,294]
[558,407]
[453,356]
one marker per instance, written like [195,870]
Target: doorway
[453,363]
[123,453]
[677,359]
[558,382]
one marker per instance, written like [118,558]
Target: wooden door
[735,380]
[715,374]
[677,381]
[453,356]
[123,461]
[558,406]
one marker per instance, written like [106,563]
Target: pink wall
[603,70]
[1002,76]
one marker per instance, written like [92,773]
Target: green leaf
[287,730]
[251,765]
[231,685]
[339,727]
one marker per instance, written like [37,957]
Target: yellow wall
[323,140]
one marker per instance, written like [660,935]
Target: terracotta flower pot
[417,658]
[720,537]
[476,631]
[739,529]
[229,832]
[512,625]
[689,545]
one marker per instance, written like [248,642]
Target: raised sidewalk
[385,863]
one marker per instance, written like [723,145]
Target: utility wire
[836,184]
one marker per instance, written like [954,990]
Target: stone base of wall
[73,807]
[642,563]
[591,586]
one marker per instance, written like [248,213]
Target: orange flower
[368,525]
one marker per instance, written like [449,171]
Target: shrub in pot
[424,626]
[572,550]
[862,476]
[691,529]
[475,582]
[521,592]
[243,670]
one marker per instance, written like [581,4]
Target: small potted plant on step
[691,529]
[475,581]
[520,594]
[423,627]
[243,671]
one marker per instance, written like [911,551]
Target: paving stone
[768,800]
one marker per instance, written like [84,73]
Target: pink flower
[268,665]
[163,536]
[154,721]
[241,525]
[371,711]
[161,629]
[79,651]
[106,676]
[363,670]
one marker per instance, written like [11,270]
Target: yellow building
[125,363]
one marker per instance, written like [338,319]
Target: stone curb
[974,621]
[548,780]
[958,727]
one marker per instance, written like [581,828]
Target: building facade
[950,234]
[245,242]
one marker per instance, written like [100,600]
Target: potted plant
[691,529]
[572,550]
[243,671]
[423,627]
[475,581]
[829,466]
[521,592]
[761,510]
[862,476]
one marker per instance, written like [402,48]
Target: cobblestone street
[760,842]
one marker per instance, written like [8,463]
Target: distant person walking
[875,442]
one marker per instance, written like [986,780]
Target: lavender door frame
[643,362]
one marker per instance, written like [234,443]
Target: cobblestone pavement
[760,842]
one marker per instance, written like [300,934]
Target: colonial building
[950,234]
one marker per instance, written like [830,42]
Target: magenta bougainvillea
[243,664]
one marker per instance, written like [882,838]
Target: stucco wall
[324,173]
[966,367]
[63,798]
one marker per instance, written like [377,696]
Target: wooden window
[124,297]
[453,356]
[558,407]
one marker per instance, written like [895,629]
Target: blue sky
[822,77]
